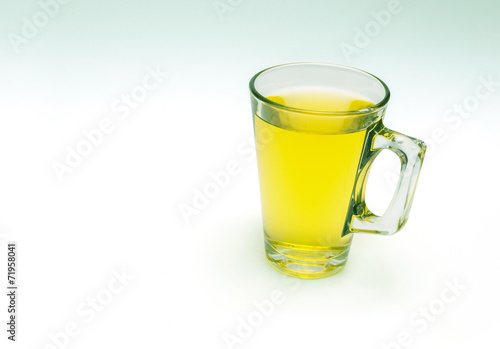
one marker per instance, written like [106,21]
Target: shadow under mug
[313,165]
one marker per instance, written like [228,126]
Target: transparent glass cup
[314,162]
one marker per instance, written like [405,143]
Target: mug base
[291,263]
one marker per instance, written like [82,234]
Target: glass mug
[318,129]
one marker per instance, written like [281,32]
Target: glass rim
[367,110]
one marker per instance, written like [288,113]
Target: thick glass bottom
[306,264]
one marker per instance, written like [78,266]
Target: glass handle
[411,153]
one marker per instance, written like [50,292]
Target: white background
[118,211]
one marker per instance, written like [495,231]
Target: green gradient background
[120,207]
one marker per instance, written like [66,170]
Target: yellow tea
[307,178]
